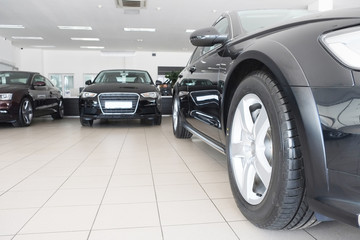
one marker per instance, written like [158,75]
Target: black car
[120,94]
[278,91]
[24,95]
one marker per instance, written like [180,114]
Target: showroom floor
[122,180]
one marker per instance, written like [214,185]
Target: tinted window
[14,78]
[123,76]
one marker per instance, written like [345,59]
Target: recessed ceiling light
[39,46]
[85,39]
[99,6]
[93,47]
[158,8]
[75,28]
[190,30]
[27,38]
[214,11]
[140,40]
[139,29]
[11,26]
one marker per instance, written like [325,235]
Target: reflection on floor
[122,180]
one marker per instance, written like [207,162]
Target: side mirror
[39,84]
[207,37]
[88,82]
[158,82]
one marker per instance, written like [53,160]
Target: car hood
[12,88]
[120,87]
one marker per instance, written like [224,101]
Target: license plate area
[118,104]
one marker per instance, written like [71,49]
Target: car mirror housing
[158,82]
[206,37]
[88,82]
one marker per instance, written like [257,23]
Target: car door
[205,89]
[40,94]
[54,94]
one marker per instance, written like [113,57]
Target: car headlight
[88,94]
[150,95]
[5,96]
[344,45]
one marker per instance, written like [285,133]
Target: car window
[14,78]
[38,78]
[48,82]
[123,77]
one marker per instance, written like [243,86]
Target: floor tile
[174,178]
[229,209]
[334,231]
[86,182]
[137,194]
[217,190]
[11,221]
[61,219]
[76,197]
[188,212]
[153,233]
[212,231]
[24,199]
[131,180]
[246,230]
[54,236]
[127,216]
[212,177]
[180,192]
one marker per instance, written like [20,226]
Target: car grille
[118,103]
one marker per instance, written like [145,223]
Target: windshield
[123,76]
[255,20]
[14,78]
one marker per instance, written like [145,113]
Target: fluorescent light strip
[11,26]
[88,28]
[139,29]
[92,47]
[38,46]
[190,30]
[27,38]
[85,39]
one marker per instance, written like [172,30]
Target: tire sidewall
[21,121]
[263,213]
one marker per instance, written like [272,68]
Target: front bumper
[91,109]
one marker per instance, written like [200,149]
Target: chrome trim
[207,141]
[118,93]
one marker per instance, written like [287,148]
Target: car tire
[59,111]
[25,114]
[177,121]
[84,122]
[264,156]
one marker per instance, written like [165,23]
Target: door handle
[192,69]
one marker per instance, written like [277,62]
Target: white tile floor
[122,180]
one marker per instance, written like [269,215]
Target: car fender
[286,69]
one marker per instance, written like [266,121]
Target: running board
[206,139]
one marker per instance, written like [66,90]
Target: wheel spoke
[263,168]
[248,178]
[246,121]
[240,149]
[261,126]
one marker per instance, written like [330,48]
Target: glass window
[65,82]
[89,76]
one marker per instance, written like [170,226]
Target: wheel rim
[27,112]
[61,108]
[175,113]
[251,149]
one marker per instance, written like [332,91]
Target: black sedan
[279,93]
[120,94]
[24,95]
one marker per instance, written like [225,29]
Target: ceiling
[170,18]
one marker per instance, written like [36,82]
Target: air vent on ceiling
[134,4]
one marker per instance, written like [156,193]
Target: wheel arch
[278,61]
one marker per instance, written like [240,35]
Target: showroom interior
[119,179]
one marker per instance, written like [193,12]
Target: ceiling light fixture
[27,38]
[190,30]
[85,39]
[92,47]
[87,28]
[39,46]
[139,29]
[11,26]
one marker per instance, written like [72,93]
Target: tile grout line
[153,180]
[107,186]
[201,184]
[41,207]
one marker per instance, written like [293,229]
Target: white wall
[85,62]
[8,54]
